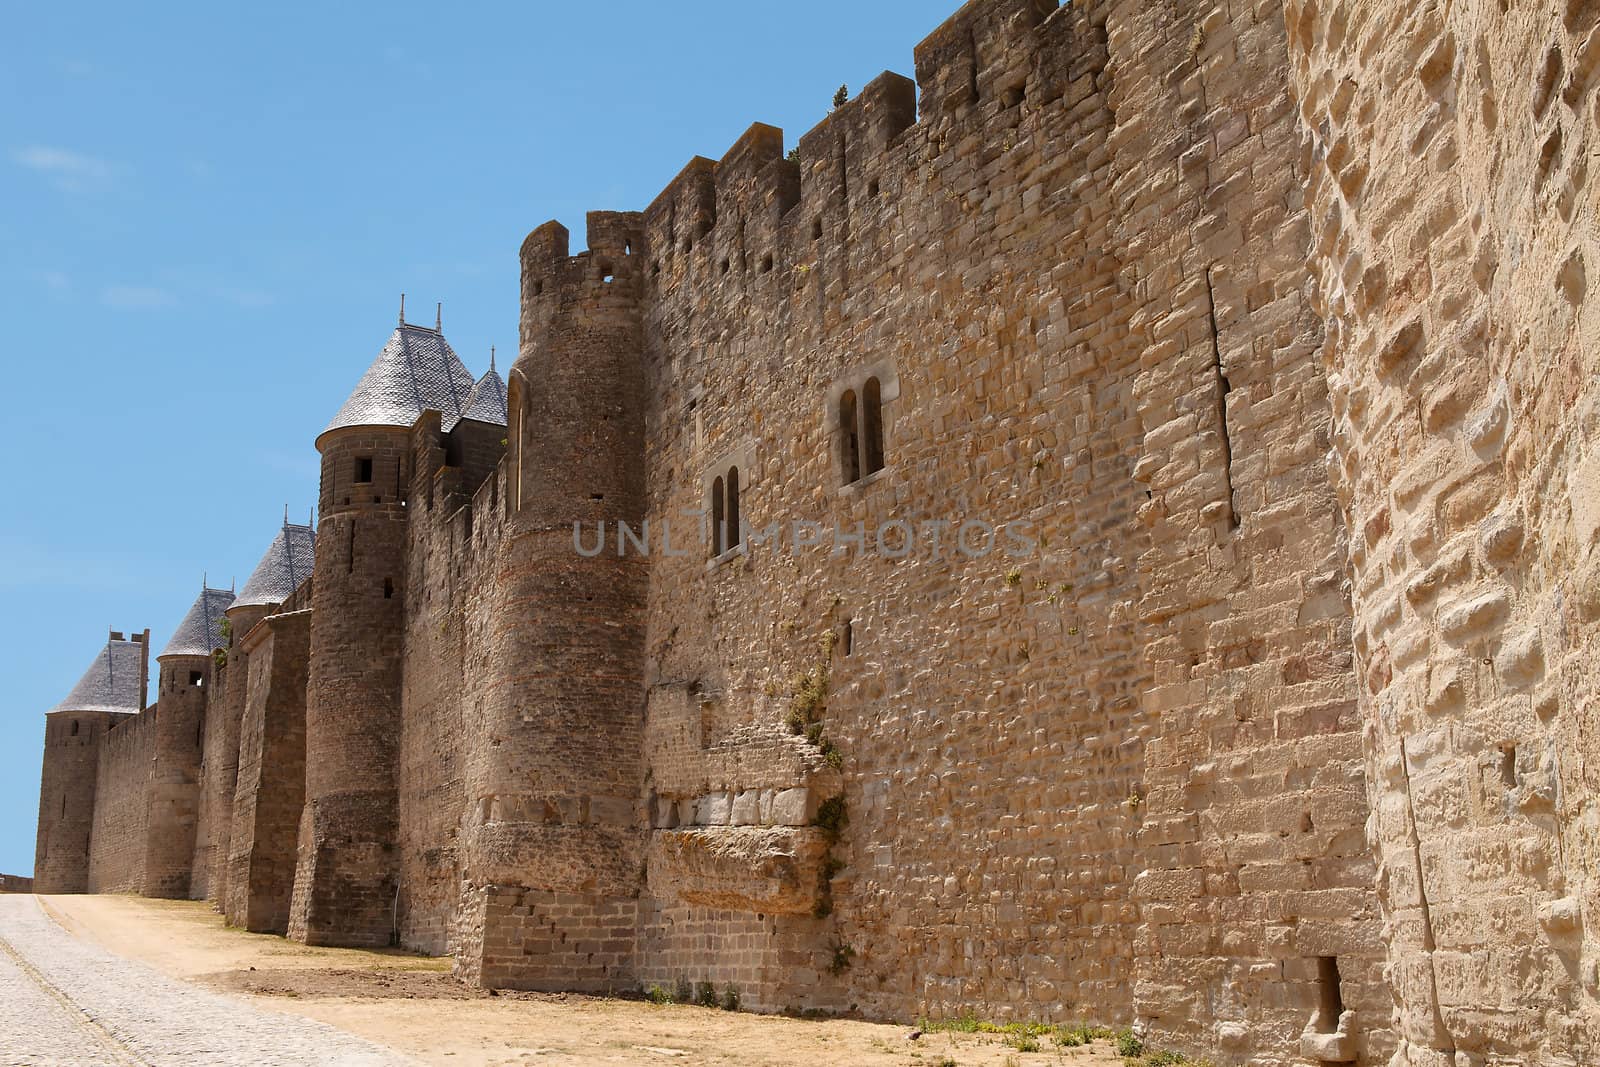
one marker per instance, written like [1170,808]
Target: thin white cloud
[68,169]
[136,297]
[33,565]
[54,280]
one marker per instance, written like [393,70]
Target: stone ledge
[744,868]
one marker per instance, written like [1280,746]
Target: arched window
[717,516]
[734,534]
[872,425]
[849,437]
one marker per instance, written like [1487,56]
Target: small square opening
[196,678]
[363,468]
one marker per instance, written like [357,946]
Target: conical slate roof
[487,401]
[201,630]
[416,370]
[285,565]
[112,682]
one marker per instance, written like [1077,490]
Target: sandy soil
[411,1003]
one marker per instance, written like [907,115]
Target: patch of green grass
[1128,1044]
[656,995]
[1082,1034]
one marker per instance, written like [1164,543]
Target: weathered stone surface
[1259,331]
[742,868]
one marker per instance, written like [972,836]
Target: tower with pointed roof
[346,880]
[282,569]
[183,686]
[111,689]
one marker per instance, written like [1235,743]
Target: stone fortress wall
[1256,331]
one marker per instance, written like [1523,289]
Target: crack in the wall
[1428,942]
[1224,387]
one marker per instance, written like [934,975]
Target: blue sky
[207,215]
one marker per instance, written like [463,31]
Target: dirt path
[411,1004]
[67,1002]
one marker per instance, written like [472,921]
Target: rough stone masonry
[1106,530]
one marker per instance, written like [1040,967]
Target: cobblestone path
[66,1003]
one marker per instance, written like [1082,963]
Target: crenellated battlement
[606,268]
[978,66]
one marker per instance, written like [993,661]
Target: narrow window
[848,638]
[734,534]
[363,468]
[816,228]
[388,587]
[1508,766]
[716,517]
[74,728]
[849,437]
[1330,1003]
[196,678]
[766,263]
[872,424]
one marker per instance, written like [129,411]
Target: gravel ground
[65,1003]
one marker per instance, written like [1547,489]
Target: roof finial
[205,581]
[491,357]
[286,514]
[402,309]
[438,317]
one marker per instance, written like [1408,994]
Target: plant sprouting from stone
[831,818]
[843,954]
[841,96]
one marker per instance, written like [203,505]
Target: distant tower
[284,566]
[345,881]
[183,689]
[554,835]
[113,688]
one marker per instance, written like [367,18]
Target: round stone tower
[112,689]
[553,837]
[345,882]
[183,688]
